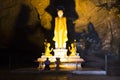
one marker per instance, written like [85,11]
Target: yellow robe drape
[60,32]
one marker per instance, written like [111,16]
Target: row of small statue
[71,48]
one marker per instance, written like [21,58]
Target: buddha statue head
[60,13]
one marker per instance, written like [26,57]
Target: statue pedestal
[67,62]
[61,53]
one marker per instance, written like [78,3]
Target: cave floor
[34,74]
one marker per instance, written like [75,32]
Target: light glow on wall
[45,17]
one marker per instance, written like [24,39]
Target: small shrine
[71,62]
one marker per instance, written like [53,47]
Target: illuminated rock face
[16,17]
[44,16]
[105,19]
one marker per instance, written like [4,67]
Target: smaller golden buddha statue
[72,50]
[48,50]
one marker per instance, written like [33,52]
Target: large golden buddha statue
[60,31]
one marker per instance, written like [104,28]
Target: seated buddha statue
[48,50]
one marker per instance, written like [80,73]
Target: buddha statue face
[60,13]
[72,45]
[48,44]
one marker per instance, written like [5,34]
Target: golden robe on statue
[60,32]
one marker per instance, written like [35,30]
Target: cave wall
[19,25]
[105,20]
[25,33]
[8,12]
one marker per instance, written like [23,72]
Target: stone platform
[67,62]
